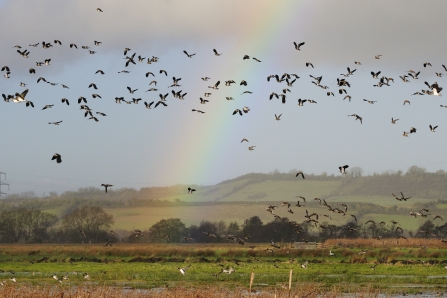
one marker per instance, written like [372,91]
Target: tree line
[253,230]
[90,224]
[86,224]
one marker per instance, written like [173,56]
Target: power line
[3,183]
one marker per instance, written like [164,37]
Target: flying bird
[435,89]
[375,75]
[297,46]
[183,270]
[189,55]
[148,106]
[47,107]
[57,157]
[301,102]
[106,186]
[343,169]
[130,90]
[160,102]
[20,97]
[215,86]
[357,117]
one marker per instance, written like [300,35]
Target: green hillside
[268,190]
[240,198]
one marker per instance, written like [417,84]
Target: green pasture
[285,190]
[378,200]
[270,190]
[407,222]
[268,272]
[143,217]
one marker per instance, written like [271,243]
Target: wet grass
[152,266]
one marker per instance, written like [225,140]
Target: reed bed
[412,248]
[308,291]
[385,243]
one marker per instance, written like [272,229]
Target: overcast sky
[137,147]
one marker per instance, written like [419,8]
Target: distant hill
[416,183]
[252,188]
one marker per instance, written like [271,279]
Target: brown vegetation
[385,243]
[304,290]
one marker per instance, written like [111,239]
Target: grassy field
[285,190]
[238,200]
[406,221]
[378,200]
[145,216]
[270,190]
[142,217]
[151,266]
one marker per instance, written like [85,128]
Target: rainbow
[202,162]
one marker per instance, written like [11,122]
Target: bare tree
[87,224]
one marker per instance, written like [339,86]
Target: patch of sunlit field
[270,190]
[56,211]
[378,200]
[407,222]
[391,243]
[354,264]
[143,217]
[285,190]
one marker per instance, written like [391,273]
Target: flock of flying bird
[132,59]
[287,78]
